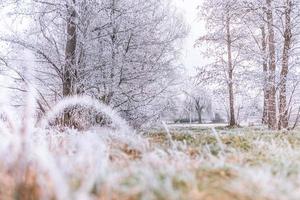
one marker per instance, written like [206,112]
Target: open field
[184,163]
[244,163]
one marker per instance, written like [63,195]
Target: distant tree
[199,101]
[217,118]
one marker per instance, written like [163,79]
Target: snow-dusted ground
[116,163]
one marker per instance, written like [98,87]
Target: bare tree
[229,41]
[224,32]
[200,101]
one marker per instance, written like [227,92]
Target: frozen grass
[39,162]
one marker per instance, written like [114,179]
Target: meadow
[171,162]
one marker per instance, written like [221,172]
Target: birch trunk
[283,111]
[232,121]
[265,73]
[272,119]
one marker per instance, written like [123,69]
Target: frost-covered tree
[258,55]
[279,30]
[122,52]
[224,38]
[198,101]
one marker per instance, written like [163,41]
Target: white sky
[191,56]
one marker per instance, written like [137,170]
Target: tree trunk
[199,112]
[265,74]
[272,121]
[113,37]
[283,111]
[69,72]
[232,121]
[199,117]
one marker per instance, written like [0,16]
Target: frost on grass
[41,162]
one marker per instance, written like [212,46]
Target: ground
[179,162]
[242,163]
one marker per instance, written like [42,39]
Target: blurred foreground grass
[194,163]
[250,163]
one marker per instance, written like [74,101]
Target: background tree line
[253,51]
[122,52]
